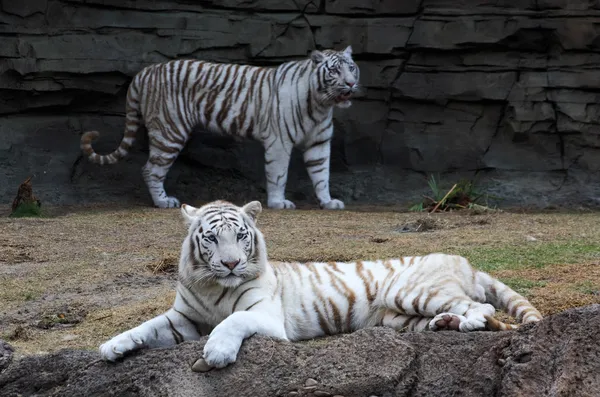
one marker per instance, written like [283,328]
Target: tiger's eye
[240,236]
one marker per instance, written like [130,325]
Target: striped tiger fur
[282,107]
[227,284]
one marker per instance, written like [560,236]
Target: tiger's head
[223,244]
[336,76]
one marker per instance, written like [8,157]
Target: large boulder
[556,357]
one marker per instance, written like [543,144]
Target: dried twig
[444,199]
[102,317]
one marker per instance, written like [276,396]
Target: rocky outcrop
[557,357]
[505,88]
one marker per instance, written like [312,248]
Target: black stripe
[316,162]
[225,290]
[318,143]
[253,250]
[186,317]
[187,303]
[193,260]
[288,130]
[254,304]
[318,183]
[328,126]
[240,296]
[176,335]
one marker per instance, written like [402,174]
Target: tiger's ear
[252,209]
[317,56]
[348,52]
[188,212]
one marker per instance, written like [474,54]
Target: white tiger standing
[227,282]
[284,107]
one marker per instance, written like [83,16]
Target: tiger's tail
[132,124]
[503,297]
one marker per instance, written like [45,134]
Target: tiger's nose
[349,84]
[230,264]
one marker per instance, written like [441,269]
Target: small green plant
[26,204]
[587,287]
[463,194]
[417,208]
[27,209]
[29,296]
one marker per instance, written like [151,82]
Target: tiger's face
[336,75]
[224,243]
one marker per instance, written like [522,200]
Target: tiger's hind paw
[168,202]
[446,322]
[333,204]
[281,205]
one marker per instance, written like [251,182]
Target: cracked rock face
[558,356]
[448,86]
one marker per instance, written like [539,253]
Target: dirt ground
[81,275]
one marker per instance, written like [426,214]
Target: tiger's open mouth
[343,97]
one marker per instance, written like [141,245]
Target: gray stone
[24,8]
[386,35]
[468,86]
[370,362]
[469,126]
[6,355]
[370,7]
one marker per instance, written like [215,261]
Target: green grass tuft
[30,209]
[530,256]
[587,287]
[29,296]
[521,285]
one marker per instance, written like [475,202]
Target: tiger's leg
[277,161]
[446,306]
[161,158]
[317,159]
[226,338]
[168,329]
[403,322]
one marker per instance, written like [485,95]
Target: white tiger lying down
[226,282]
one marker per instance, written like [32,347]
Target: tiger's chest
[248,297]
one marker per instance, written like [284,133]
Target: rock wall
[509,89]
[556,357]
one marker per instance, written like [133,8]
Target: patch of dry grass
[166,264]
[559,287]
[117,263]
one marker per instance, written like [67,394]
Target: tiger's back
[204,94]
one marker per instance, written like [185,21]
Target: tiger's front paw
[281,205]
[168,202]
[121,344]
[333,204]
[221,349]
